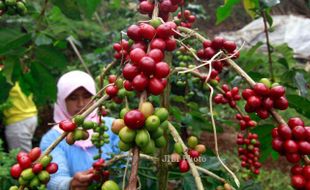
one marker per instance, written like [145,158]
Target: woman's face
[77,100]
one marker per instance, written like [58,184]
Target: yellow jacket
[22,106]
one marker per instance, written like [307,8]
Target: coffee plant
[161,67]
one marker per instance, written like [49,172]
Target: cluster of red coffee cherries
[122,48]
[249,152]
[100,174]
[210,48]
[229,96]
[187,19]
[118,90]
[245,121]
[292,140]
[261,99]
[300,177]
[146,70]
[165,7]
[32,173]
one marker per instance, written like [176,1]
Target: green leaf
[193,105]
[275,155]
[250,6]
[189,182]
[12,69]
[200,123]
[48,93]
[212,163]
[5,88]
[265,138]
[204,110]
[69,8]
[177,99]
[286,77]
[26,83]
[75,8]
[256,76]
[251,185]
[187,119]
[251,58]
[176,112]
[88,7]
[253,49]
[9,65]
[115,4]
[287,54]
[300,104]
[224,11]
[283,62]
[42,39]
[13,42]
[51,57]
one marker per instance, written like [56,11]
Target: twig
[70,39]
[263,12]
[163,167]
[215,138]
[195,73]
[211,174]
[125,173]
[193,167]
[108,68]
[156,160]
[143,98]
[93,98]
[122,156]
[156,10]
[44,8]
[135,157]
[41,16]
[96,104]
[192,32]
[134,169]
[101,84]
[241,72]
[54,144]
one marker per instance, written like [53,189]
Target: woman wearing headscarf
[74,91]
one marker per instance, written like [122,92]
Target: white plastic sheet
[290,29]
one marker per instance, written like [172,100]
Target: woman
[74,91]
[20,119]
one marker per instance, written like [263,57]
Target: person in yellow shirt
[20,120]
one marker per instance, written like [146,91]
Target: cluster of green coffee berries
[143,127]
[99,137]
[13,7]
[183,60]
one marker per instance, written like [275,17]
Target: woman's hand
[81,180]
